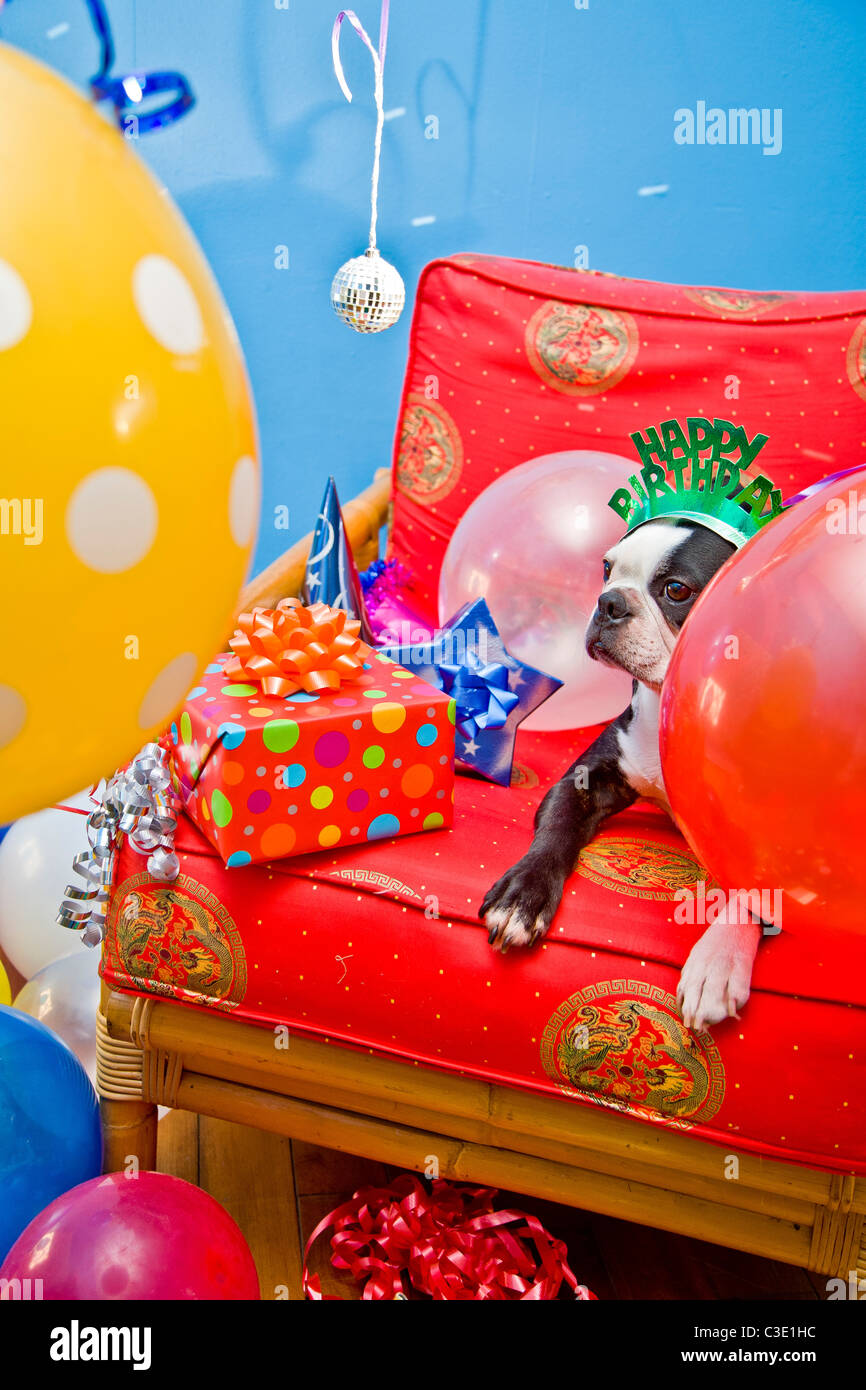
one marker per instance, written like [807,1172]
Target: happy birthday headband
[696,473]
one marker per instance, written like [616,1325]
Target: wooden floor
[278,1189]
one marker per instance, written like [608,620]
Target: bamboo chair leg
[128,1134]
[838,1242]
[128,1118]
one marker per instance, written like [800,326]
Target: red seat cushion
[381,947]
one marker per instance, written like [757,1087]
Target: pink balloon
[122,1237]
[532,545]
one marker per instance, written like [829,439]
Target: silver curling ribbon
[137,802]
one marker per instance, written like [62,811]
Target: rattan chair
[152,1051]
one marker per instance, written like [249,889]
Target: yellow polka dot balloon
[129,480]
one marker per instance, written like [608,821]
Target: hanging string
[378,56]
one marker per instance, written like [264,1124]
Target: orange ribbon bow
[296,647]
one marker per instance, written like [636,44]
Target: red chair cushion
[381,948]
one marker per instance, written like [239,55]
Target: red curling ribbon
[295,647]
[449,1244]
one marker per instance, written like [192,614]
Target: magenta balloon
[150,1237]
[532,545]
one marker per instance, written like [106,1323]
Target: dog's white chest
[639,748]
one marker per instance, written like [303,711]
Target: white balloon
[532,544]
[35,867]
[64,996]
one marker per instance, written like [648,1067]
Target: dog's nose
[613,606]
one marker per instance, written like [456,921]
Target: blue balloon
[50,1137]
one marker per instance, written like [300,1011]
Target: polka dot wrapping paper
[266,777]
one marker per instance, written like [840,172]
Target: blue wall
[551,119]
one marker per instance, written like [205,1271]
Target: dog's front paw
[717,976]
[520,906]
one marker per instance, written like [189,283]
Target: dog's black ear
[706,550]
[705,553]
[692,561]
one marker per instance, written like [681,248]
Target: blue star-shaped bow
[481,696]
[469,661]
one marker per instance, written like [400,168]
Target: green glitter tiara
[696,472]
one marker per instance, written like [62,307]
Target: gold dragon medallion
[855,359]
[430,456]
[175,939]
[739,303]
[622,1044]
[640,868]
[581,349]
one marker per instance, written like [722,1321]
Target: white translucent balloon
[532,545]
[35,867]
[64,996]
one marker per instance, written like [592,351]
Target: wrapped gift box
[264,776]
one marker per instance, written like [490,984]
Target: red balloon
[763,713]
[122,1237]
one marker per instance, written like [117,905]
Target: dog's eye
[677,592]
[605,569]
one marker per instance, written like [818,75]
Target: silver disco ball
[368,293]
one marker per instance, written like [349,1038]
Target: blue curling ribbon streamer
[126,93]
[373,574]
[481,694]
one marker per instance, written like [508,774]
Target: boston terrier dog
[652,578]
